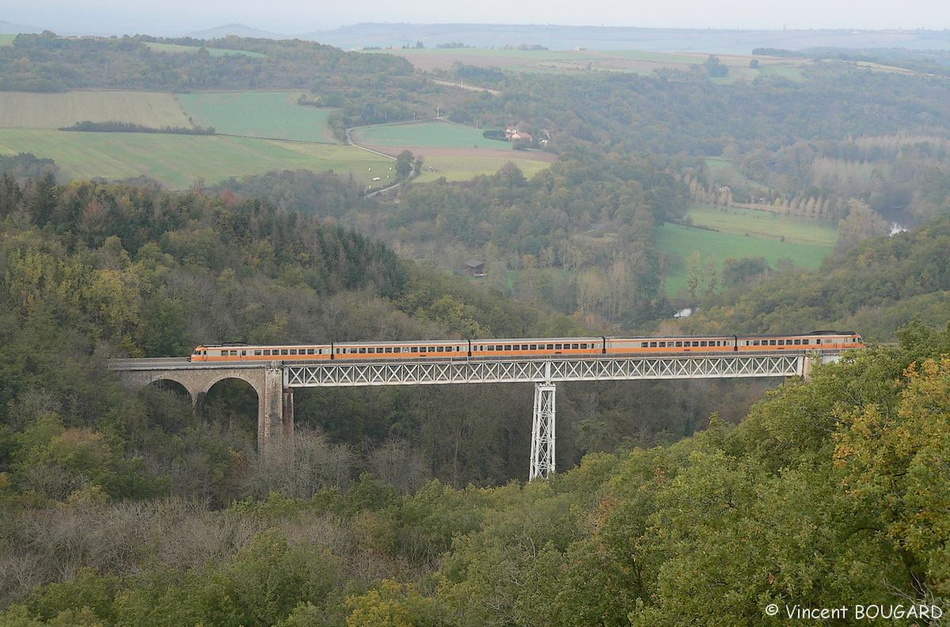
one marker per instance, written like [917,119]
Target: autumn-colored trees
[832,493]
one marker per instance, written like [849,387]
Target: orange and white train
[531,348]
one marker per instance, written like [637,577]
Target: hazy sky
[171,17]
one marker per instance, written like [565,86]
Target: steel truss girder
[543,370]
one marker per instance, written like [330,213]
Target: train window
[771,342]
[491,347]
[662,344]
[644,344]
[440,349]
[818,341]
[558,347]
[257,352]
[524,347]
[574,346]
[652,344]
[293,351]
[679,344]
[702,343]
[311,351]
[283,351]
[550,347]
[507,347]
[755,342]
[533,347]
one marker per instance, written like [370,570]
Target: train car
[427,349]
[653,345]
[816,340]
[245,352]
[537,347]
[531,348]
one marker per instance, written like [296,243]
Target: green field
[179,160]
[761,224]
[571,61]
[214,52]
[464,168]
[679,242]
[546,60]
[455,152]
[274,115]
[36,110]
[434,134]
[258,132]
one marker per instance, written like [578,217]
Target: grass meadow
[265,114]
[463,168]
[452,151]
[762,224]
[214,52]
[178,161]
[571,61]
[432,134]
[49,111]
[679,242]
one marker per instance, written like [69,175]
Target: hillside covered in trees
[402,506]
[830,494]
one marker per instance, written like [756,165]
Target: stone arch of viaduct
[275,407]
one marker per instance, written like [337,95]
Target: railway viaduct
[274,381]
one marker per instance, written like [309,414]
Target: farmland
[449,150]
[714,247]
[257,132]
[214,52]
[761,224]
[265,114]
[48,111]
[179,160]
[571,61]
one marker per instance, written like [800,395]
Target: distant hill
[621,38]
[238,30]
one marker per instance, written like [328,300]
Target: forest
[704,502]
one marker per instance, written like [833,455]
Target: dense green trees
[831,494]
[874,288]
[577,238]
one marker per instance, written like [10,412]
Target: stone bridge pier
[275,403]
